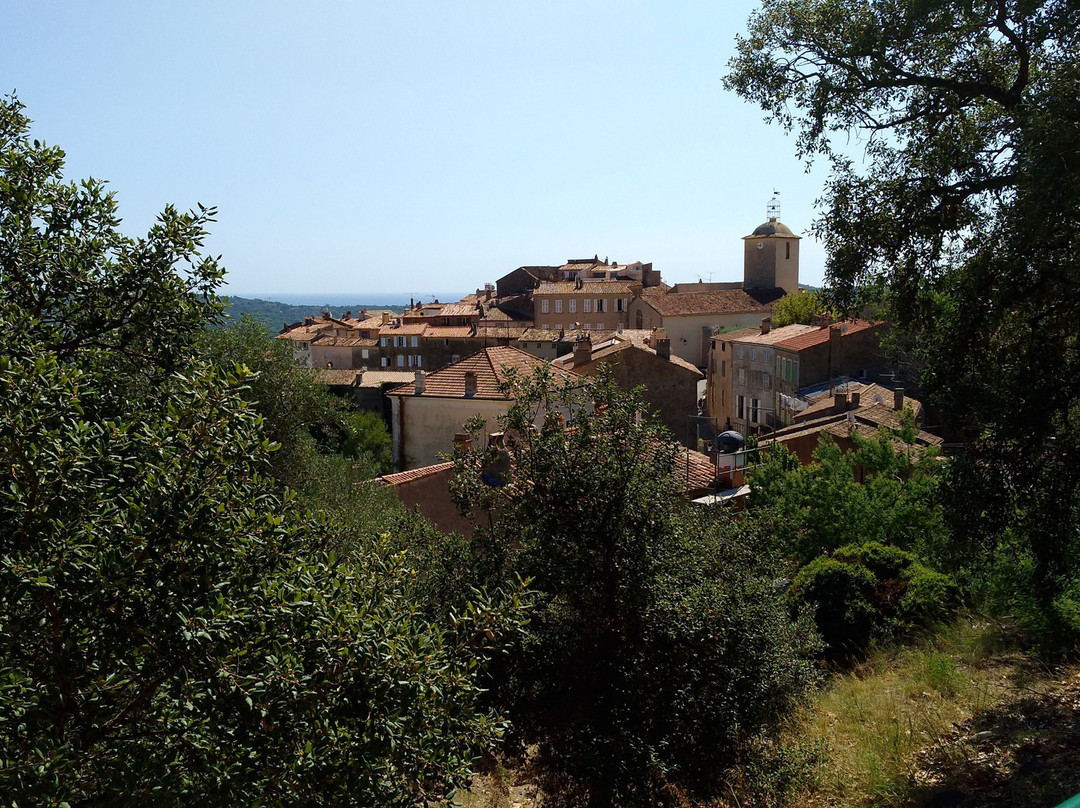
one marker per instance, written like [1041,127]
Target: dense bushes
[174,628]
[870,591]
[660,645]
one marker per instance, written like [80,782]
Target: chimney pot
[582,351]
[421,381]
[359,376]
[839,402]
[661,344]
[766,325]
[856,400]
[898,399]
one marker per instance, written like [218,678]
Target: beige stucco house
[427,413]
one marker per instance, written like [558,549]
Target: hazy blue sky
[415,147]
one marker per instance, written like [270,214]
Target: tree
[966,204]
[327,450]
[799,306]
[659,648]
[173,629]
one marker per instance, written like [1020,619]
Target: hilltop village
[707,356]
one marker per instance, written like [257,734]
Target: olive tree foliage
[953,132]
[172,629]
[659,647]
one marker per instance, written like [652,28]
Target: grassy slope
[966,719]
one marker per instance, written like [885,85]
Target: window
[364,353]
[384,362]
[766,381]
[401,360]
[600,307]
[723,367]
[764,354]
[787,252]
[558,326]
[544,307]
[586,326]
[742,375]
[740,352]
[384,341]
[399,342]
[620,304]
[740,407]
[586,305]
[455,358]
[573,306]
[754,410]
[544,327]
[558,306]
[415,342]
[753,354]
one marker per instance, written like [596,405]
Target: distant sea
[352,298]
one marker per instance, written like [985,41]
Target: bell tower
[771,253]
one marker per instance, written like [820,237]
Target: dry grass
[877,722]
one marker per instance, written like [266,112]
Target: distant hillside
[274,315]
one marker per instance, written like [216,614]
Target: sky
[415,148]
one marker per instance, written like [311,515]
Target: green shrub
[871,590]
[841,595]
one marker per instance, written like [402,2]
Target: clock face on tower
[761,245]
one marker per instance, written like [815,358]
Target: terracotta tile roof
[377,378]
[610,348]
[867,421]
[720,301]
[457,310]
[695,470]
[414,474]
[821,403]
[775,335]
[448,331]
[406,329]
[370,324]
[490,366]
[325,340]
[542,335]
[334,377]
[737,334]
[588,287]
[820,335]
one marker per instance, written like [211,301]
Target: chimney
[421,377]
[839,402]
[385,317]
[661,344]
[470,384]
[856,399]
[582,351]
[766,325]
[348,315]
[359,377]
[618,328]
[898,399]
